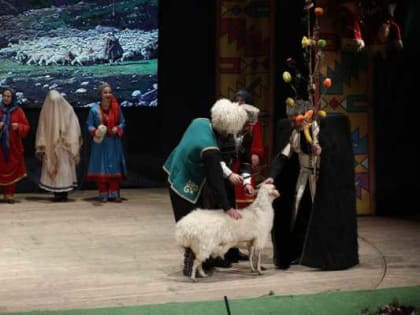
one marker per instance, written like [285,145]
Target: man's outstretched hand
[234,213]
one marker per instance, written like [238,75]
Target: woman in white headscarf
[58,142]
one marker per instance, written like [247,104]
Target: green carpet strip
[348,302]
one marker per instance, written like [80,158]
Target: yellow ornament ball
[287,77]
[322,113]
[290,102]
[306,42]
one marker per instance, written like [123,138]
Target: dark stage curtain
[288,31]
[395,111]
[186,66]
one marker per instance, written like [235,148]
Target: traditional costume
[12,164]
[255,147]
[107,165]
[315,217]
[315,227]
[252,145]
[195,163]
[58,142]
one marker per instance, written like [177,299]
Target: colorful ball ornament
[319,11]
[327,83]
[308,114]
[287,77]
[321,43]
[290,102]
[299,118]
[322,113]
[306,42]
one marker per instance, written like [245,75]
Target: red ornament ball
[327,83]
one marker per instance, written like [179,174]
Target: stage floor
[84,254]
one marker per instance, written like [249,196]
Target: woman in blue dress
[107,162]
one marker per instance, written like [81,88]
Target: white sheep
[213,232]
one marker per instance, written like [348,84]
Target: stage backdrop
[73,46]
[350,95]
[244,57]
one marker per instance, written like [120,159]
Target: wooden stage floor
[84,254]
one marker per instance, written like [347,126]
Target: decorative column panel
[350,94]
[244,55]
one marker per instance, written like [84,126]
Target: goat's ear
[262,184]
[275,193]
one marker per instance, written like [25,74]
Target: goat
[213,232]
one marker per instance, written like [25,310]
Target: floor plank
[85,254]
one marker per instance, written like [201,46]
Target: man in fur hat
[195,161]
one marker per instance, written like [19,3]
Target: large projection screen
[74,46]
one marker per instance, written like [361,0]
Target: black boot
[216,262]
[189,258]
[234,255]
[60,196]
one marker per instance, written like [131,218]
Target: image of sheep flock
[73,46]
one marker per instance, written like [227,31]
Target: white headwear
[252,113]
[228,117]
[58,126]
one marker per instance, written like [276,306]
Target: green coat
[185,166]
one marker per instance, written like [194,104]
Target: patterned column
[349,94]
[244,54]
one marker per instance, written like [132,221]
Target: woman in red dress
[13,127]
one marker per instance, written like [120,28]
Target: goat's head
[268,190]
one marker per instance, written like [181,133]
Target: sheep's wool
[212,232]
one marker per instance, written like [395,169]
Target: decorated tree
[307,89]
